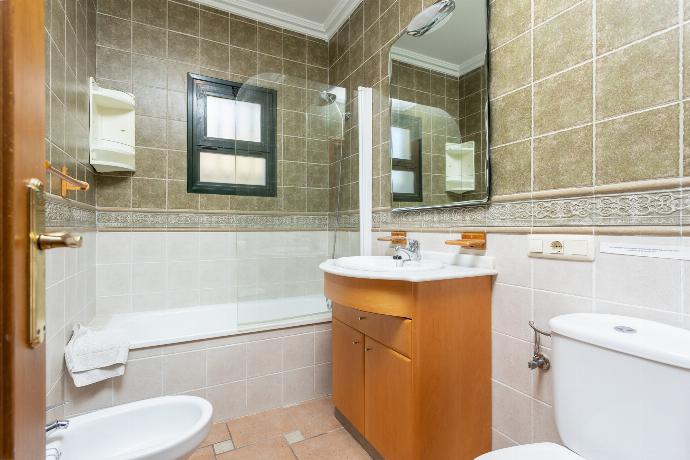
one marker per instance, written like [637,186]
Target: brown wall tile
[511,117]
[619,24]
[148,193]
[638,77]
[511,168]
[564,100]
[544,9]
[214,26]
[509,18]
[152,12]
[564,159]
[511,66]
[636,147]
[564,41]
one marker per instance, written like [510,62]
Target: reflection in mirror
[439,112]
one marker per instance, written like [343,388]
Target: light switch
[576,247]
[536,245]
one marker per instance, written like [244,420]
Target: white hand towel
[101,353]
[96,375]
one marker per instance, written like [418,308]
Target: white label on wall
[646,250]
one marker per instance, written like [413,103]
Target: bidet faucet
[412,251]
[56,425]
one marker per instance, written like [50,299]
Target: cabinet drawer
[392,331]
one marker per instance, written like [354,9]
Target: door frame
[22,137]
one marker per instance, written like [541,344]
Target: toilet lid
[540,451]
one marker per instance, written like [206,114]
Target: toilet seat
[539,451]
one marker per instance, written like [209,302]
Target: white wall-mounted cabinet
[111,127]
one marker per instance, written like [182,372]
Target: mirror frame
[487,119]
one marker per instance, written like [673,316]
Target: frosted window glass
[400,143]
[220,117]
[230,119]
[248,121]
[231,169]
[251,170]
[217,168]
[403,181]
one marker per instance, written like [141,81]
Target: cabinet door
[388,401]
[348,373]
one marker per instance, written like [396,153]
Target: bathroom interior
[345,229]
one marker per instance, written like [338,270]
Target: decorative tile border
[653,208]
[62,213]
[657,208]
[171,220]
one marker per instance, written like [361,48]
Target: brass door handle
[58,240]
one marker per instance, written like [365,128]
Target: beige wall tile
[143,379]
[226,364]
[564,41]
[563,159]
[298,351]
[617,25]
[564,100]
[511,66]
[511,117]
[264,393]
[512,413]
[184,372]
[638,77]
[551,304]
[511,168]
[298,385]
[511,308]
[264,357]
[500,441]
[544,423]
[641,146]
[229,400]
[509,18]
[508,361]
[322,380]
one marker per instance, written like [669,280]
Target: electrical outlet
[565,247]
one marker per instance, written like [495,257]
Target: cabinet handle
[355,342]
[368,349]
[361,318]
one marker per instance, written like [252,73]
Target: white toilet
[621,391]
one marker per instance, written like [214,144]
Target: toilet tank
[621,387]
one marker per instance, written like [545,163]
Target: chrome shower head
[327,98]
[430,18]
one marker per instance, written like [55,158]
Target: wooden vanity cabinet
[412,372]
[348,373]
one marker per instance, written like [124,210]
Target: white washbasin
[164,428]
[385,264]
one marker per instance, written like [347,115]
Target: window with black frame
[231,137]
[406,156]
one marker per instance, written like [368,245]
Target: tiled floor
[308,431]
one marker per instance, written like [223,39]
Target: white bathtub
[161,327]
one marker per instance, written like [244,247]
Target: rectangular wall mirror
[439,135]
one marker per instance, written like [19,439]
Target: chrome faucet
[56,425]
[412,251]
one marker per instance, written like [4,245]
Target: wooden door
[388,401]
[22,80]
[348,373]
